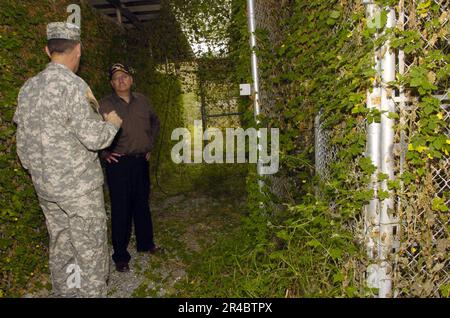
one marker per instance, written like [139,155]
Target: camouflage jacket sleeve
[20,137]
[86,122]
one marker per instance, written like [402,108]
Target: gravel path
[184,225]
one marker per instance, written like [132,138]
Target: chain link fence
[420,249]
[422,263]
[323,151]
[269,15]
[218,94]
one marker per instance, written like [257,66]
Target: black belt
[134,155]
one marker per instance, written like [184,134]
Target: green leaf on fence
[438,204]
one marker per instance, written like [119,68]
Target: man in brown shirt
[127,168]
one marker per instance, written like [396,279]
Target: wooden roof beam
[126,12]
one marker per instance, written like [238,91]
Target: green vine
[302,235]
[23,235]
[317,57]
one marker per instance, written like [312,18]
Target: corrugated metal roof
[129,12]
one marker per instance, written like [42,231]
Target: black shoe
[122,267]
[154,250]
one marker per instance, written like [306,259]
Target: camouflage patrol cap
[63,30]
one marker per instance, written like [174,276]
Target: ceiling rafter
[132,12]
[126,12]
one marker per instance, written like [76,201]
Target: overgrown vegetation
[306,248]
[303,235]
[317,57]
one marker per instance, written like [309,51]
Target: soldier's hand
[111,156]
[113,118]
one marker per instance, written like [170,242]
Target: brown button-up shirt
[140,125]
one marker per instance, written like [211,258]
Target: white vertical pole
[387,161]
[401,71]
[255,77]
[372,215]
[373,150]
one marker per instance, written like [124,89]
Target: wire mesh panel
[419,249]
[268,16]
[218,94]
[323,150]
[422,264]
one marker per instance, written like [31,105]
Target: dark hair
[61,45]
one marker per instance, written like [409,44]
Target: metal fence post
[371,215]
[255,77]
[387,161]
[378,225]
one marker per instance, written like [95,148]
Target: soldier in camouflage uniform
[59,132]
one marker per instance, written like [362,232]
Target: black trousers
[129,189]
